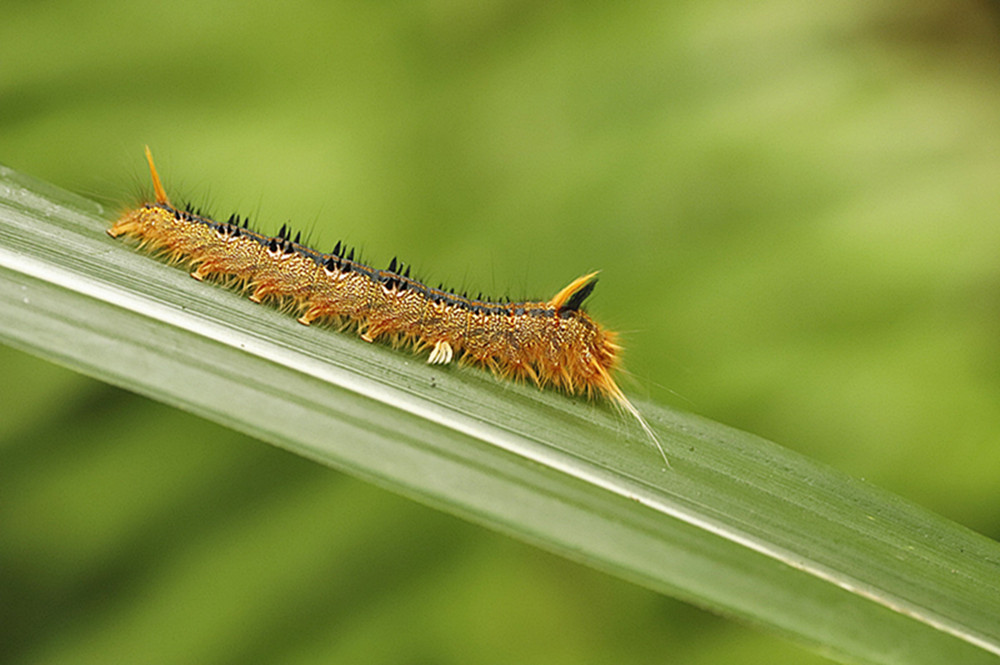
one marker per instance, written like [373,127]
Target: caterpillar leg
[441,354]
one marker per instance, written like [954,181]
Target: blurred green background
[793,204]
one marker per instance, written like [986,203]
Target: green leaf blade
[738,524]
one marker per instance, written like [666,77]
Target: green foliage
[738,524]
[793,207]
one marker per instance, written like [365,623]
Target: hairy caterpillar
[550,342]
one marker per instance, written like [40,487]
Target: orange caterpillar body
[552,342]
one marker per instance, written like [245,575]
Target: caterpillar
[551,343]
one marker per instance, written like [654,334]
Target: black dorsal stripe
[343,259]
